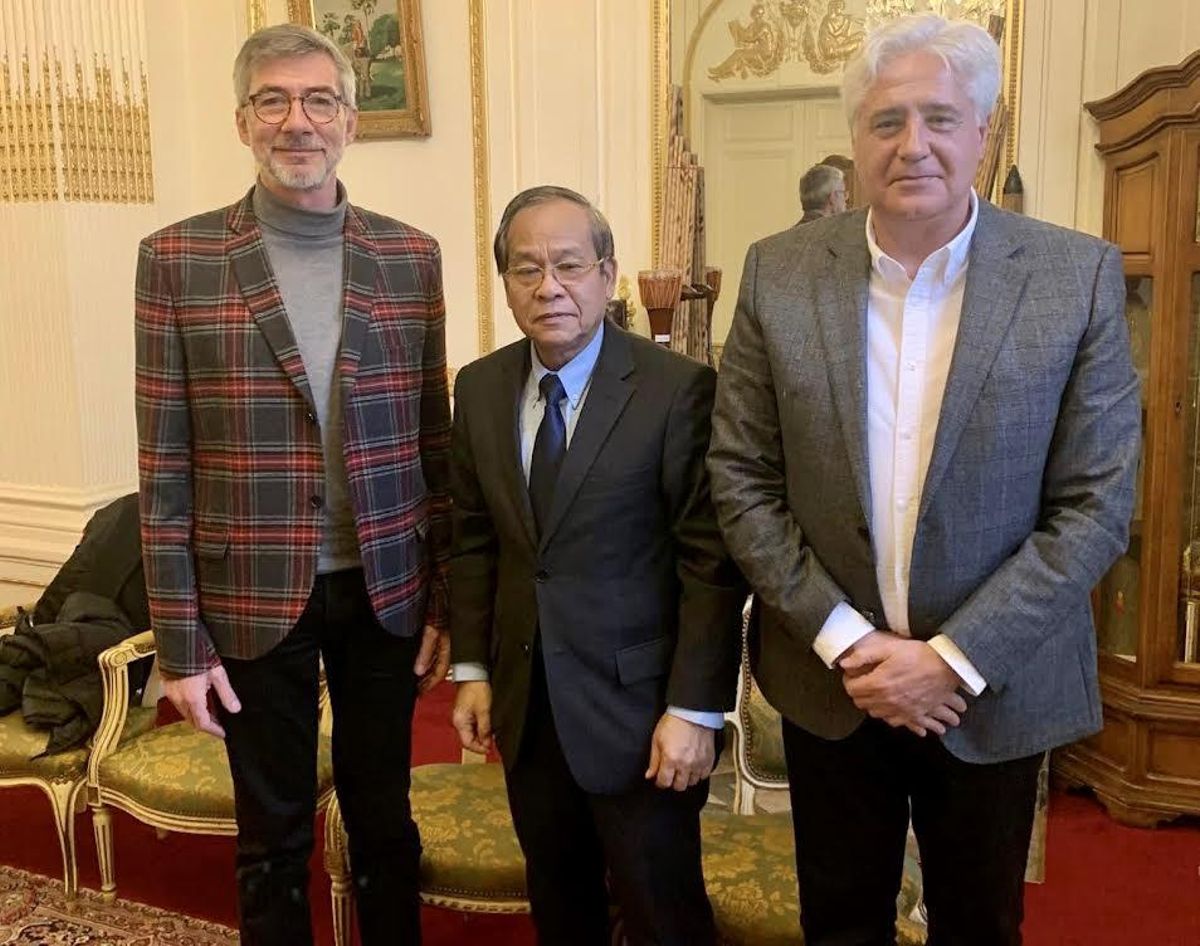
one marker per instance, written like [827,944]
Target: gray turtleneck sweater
[306,251]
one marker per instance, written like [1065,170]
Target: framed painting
[382,39]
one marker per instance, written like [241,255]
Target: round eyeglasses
[566,273]
[273,106]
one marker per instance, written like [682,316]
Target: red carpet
[1105,885]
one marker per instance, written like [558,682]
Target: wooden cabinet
[1145,765]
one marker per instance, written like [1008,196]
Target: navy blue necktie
[548,450]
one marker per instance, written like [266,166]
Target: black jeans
[850,808]
[272,747]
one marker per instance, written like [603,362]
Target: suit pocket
[644,661]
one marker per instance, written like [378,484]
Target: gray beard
[296,178]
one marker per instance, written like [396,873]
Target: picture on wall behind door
[382,40]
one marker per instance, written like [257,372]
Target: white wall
[568,101]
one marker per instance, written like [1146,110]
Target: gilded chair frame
[748,778]
[63,790]
[341,890]
[114,669]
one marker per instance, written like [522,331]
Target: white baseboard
[41,525]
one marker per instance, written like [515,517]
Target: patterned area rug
[34,912]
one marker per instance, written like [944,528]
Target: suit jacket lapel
[360,280]
[841,303]
[995,281]
[607,396]
[506,424]
[252,270]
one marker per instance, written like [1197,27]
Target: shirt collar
[576,373]
[949,261]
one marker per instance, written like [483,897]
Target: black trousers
[646,841]
[272,747]
[850,809]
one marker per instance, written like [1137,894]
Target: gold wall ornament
[482,174]
[781,31]
[74,127]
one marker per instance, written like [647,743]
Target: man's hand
[189,695]
[681,753]
[473,715]
[903,682]
[433,659]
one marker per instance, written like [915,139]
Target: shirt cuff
[949,651]
[844,628]
[699,717]
[469,672]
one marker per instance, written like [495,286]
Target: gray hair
[968,51]
[602,238]
[818,182]
[287,41]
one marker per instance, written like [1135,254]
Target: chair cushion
[469,846]
[20,742]
[750,872]
[176,770]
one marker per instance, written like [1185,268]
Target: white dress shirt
[576,378]
[912,326]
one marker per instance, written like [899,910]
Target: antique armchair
[749,856]
[60,776]
[171,777]
[470,858]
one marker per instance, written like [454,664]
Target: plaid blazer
[230,459]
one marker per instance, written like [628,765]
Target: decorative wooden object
[1145,765]
[682,242]
[1012,195]
[660,290]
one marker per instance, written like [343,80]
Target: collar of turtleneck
[295,222]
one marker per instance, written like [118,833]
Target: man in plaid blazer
[293,424]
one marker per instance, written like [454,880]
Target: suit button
[316,502]
[869,615]
[541,575]
[310,417]
[525,649]
[864,533]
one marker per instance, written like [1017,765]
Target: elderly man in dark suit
[293,425]
[594,612]
[924,445]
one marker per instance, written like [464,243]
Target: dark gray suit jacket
[1026,501]
[636,600]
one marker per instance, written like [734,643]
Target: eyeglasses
[273,107]
[566,273]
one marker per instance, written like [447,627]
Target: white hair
[968,51]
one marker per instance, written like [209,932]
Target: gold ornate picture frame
[382,38]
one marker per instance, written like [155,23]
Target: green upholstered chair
[750,873]
[749,856]
[60,776]
[470,858]
[171,777]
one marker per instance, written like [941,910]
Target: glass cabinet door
[1118,595]
[1188,644]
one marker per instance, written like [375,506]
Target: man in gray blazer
[924,444]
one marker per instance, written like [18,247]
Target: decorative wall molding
[40,526]
[482,178]
[74,103]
